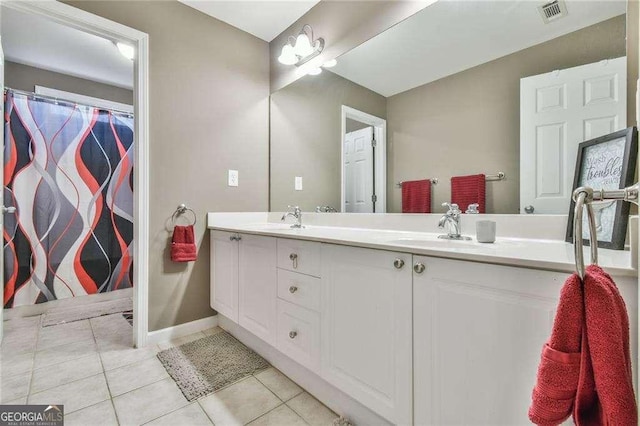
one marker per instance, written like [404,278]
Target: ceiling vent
[553,11]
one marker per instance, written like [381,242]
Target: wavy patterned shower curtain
[68,171]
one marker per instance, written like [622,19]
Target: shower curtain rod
[55,99]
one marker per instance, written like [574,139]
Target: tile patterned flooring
[91,368]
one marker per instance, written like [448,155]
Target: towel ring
[583,197]
[180,210]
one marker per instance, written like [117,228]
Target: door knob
[419,268]
[398,263]
[8,209]
[529,209]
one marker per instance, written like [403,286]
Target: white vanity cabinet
[244,281]
[366,328]
[478,333]
[258,286]
[224,273]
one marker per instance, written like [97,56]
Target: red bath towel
[588,350]
[467,190]
[183,244]
[416,196]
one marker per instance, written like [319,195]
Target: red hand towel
[467,190]
[183,245]
[586,365]
[416,196]
[605,389]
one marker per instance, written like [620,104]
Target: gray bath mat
[209,364]
[82,312]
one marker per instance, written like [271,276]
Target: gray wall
[344,25]
[353,125]
[209,112]
[305,138]
[469,122]
[25,77]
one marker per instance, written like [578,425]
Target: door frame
[102,27]
[380,158]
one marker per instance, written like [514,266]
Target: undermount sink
[437,243]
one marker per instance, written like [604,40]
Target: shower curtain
[68,171]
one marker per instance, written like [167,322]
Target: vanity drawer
[303,290]
[299,334]
[299,256]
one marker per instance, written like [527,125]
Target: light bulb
[287,56]
[330,64]
[303,46]
[126,50]
[315,71]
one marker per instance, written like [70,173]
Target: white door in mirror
[358,171]
[558,111]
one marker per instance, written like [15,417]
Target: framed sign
[607,162]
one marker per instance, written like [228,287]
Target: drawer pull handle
[419,268]
[293,289]
[294,259]
[293,334]
[398,263]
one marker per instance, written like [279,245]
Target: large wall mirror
[460,88]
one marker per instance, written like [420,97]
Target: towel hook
[182,209]
[583,197]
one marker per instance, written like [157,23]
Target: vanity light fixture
[301,49]
[126,50]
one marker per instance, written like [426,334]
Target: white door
[224,274]
[366,328]
[558,110]
[258,286]
[358,171]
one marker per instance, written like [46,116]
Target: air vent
[553,11]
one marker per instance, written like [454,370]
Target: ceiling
[36,41]
[264,19]
[451,36]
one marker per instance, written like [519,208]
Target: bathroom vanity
[396,326]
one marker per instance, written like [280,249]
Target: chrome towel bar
[434,181]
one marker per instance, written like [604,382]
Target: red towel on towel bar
[416,196]
[183,244]
[586,364]
[467,190]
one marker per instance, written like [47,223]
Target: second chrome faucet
[297,214]
[451,220]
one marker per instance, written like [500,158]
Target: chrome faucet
[297,213]
[451,219]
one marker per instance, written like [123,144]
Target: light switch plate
[298,183]
[233,178]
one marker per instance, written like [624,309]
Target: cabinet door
[366,328]
[258,286]
[224,274]
[478,333]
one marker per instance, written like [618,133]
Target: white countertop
[540,254]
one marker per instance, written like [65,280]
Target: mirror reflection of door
[363,162]
[359,169]
[558,110]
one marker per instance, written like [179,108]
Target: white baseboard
[185,329]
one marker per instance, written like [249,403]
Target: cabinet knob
[529,209]
[232,238]
[294,259]
[398,263]
[293,334]
[293,289]
[419,268]
[235,237]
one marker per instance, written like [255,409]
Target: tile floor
[91,368]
